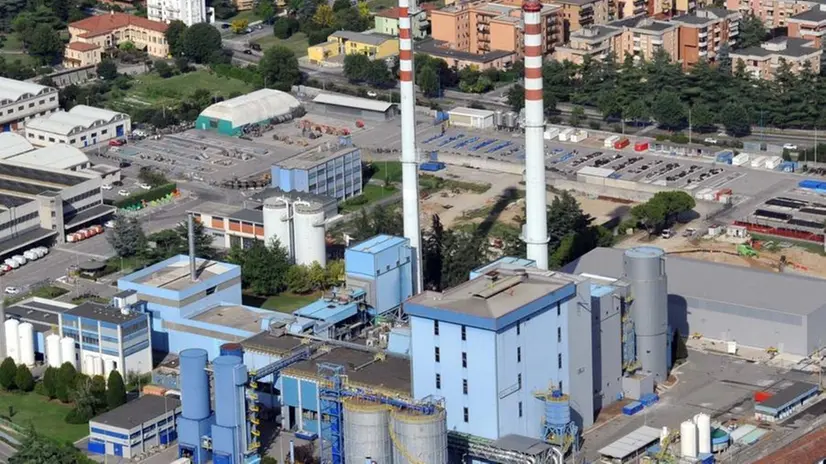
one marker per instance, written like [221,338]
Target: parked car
[225,26]
[123,192]
[12,290]
[117,143]
[106,187]
[667,233]
[5,267]
[145,186]
[372,94]
[790,146]
[109,224]
[256,46]
[710,140]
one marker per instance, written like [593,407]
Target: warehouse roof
[631,443]
[253,107]
[313,158]
[12,144]
[794,392]
[378,244]
[77,119]
[473,112]
[137,412]
[708,281]
[236,316]
[353,102]
[57,156]
[13,90]
[173,274]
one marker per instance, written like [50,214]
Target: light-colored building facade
[763,62]
[704,32]
[576,14]
[496,59]
[774,13]
[22,101]
[342,43]
[107,31]
[188,11]
[334,174]
[387,21]
[136,428]
[639,36]
[80,54]
[598,42]
[809,25]
[80,127]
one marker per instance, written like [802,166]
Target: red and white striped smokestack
[410,175]
[535,233]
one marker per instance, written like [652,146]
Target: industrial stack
[196,417]
[410,175]
[536,228]
[645,273]
[229,433]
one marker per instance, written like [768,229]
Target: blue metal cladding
[96,446]
[118,449]
[230,378]
[194,384]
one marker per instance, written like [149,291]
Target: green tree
[115,390]
[279,68]
[679,350]
[335,272]
[8,370]
[356,67]
[171,242]
[9,9]
[577,116]
[65,382]
[163,69]
[428,82]
[432,254]
[200,42]
[126,237]
[266,11]
[702,119]
[752,32]
[175,33]
[107,70]
[735,118]
[462,251]
[37,449]
[84,401]
[663,209]
[45,45]
[50,382]
[317,276]
[378,74]
[668,111]
[323,16]
[97,388]
[224,9]
[339,5]
[27,22]
[23,378]
[380,220]
[263,268]
[298,279]
[516,97]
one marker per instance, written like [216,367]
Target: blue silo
[229,433]
[195,415]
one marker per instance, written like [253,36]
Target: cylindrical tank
[277,223]
[12,339]
[230,378]
[558,409]
[645,271]
[419,438]
[53,350]
[703,422]
[89,365]
[97,364]
[194,384]
[108,367]
[68,351]
[26,333]
[310,245]
[366,431]
[688,439]
[232,349]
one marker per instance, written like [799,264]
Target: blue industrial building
[381,266]
[129,430]
[496,346]
[335,174]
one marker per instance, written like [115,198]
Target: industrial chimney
[645,272]
[535,232]
[191,237]
[410,175]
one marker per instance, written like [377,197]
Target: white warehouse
[80,127]
[22,101]
[471,117]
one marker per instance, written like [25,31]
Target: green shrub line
[154,194]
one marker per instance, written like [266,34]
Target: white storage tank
[53,350]
[688,440]
[277,222]
[703,422]
[26,333]
[310,244]
[108,367]
[419,439]
[68,351]
[12,339]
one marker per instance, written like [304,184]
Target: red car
[117,142]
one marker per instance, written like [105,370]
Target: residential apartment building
[595,41]
[576,14]
[809,25]
[107,31]
[387,21]
[189,11]
[627,8]
[643,37]
[80,54]
[21,101]
[762,62]
[774,13]
[703,33]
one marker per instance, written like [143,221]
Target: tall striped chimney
[410,175]
[535,232]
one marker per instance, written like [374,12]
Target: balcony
[657,40]
[702,43]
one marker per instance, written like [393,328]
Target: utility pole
[689,125]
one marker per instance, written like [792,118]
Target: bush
[49,382]
[23,378]
[318,36]
[8,370]
[595,125]
[149,195]
[116,390]
[40,389]
[65,382]
[77,416]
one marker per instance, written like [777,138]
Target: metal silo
[645,272]
[229,433]
[310,235]
[277,222]
[194,384]
[367,432]
[419,438]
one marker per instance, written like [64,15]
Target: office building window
[559,334]
[519,380]
[436,352]
[464,359]
[518,330]
[520,409]
[467,415]
[435,327]
[464,386]
[560,385]
[464,333]
[558,309]
[519,354]
[438,381]
[559,360]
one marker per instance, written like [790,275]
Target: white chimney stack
[410,175]
[535,232]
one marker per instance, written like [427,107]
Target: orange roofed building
[90,38]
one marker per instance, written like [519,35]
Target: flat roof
[271,192]
[248,215]
[631,443]
[360,37]
[137,412]
[267,343]
[175,275]
[392,373]
[25,238]
[787,395]
[42,175]
[212,208]
[522,444]
[87,215]
[41,314]
[353,102]
[473,112]
[378,244]
[313,158]
[814,15]
[329,310]
[104,313]
[595,171]
[235,316]
[439,48]
[706,281]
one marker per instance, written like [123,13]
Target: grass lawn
[47,416]
[152,90]
[387,170]
[371,193]
[249,15]
[11,48]
[289,302]
[297,43]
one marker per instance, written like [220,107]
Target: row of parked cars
[19,260]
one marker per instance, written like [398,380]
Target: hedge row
[149,195]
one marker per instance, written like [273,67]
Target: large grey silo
[645,272]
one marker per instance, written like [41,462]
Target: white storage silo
[89,365]
[97,365]
[108,366]
[688,439]
[26,333]
[53,350]
[12,339]
[419,438]
[366,431]
[703,433]
[310,244]
[68,351]
[277,222]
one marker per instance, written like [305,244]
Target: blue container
[725,157]
[434,156]
[787,166]
[432,166]
[649,399]
[632,408]
[194,384]
[810,184]
[232,349]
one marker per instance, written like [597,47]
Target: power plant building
[135,428]
[335,174]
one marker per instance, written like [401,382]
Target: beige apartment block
[774,13]
[643,37]
[809,25]
[595,41]
[762,62]
[576,14]
[703,33]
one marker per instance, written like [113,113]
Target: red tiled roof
[95,25]
[82,46]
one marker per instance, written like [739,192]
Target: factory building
[80,127]
[731,303]
[354,107]
[22,101]
[135,428]
[58,156]
[488,346]
[234,116]
[335,174]
[471,118]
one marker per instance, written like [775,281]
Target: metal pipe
[292,452]
[191,237]
[410,175]
[536,203]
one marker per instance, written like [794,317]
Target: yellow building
[341,43]
[108,31]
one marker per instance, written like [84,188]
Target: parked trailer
[578,136]
[632,408]
[432,166]
[622,143]
[551,133]
[773,162]
[641,146]
[565,135]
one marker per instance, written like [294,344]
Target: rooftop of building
[816,15]
[333,307]
[42,313]
[12,144]
[313,158]
[786,47]
[82,46]
[173,274]
[12,90]
[643,23]
[791,393]
[104,313]
[594,33]
[631,443]
[706,280]
[274,192]
[705,16]
[268,343]
[522,444]
[235,316]
[576,2]
[56,156]
[473,112]
[137,412]
[361,37]
[441,49]
[353,102]
[378,244]
[104,23]
[253,107]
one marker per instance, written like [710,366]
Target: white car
[12,290]
[123,193]
[106,187]
[711,141]
[790,146]
[372,94]
[109,224]
[145,186]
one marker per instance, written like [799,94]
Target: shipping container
[701,195]
[551,133]
[722,193]
[632,408]
[761,396]
[740,159]
[811,184]
[578,136]
[649,399]
[725,156]
[565,135]
[641,146]
[758,162]
[622,143]
[787,166]
[610,141]
[773,162]
[432,166]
